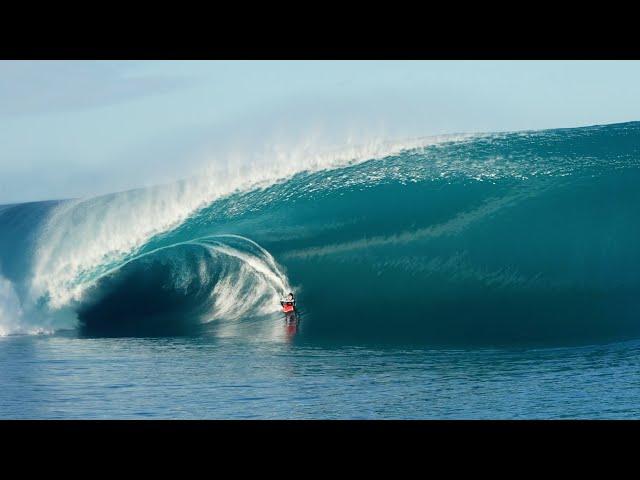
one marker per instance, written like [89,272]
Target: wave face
[527,237]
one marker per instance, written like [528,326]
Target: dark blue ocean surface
[204,377]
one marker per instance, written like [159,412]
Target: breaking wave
[498,238]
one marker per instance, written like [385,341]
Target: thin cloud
[29,87]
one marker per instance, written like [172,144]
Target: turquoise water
[496,275]
[203,377]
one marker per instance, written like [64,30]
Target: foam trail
[451,227]
[250,291]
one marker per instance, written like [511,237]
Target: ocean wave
[493,238]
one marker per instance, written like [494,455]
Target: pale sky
[81,128]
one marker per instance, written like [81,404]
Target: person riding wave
[288,304]
[289,307]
